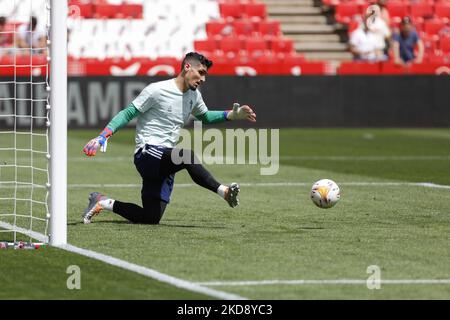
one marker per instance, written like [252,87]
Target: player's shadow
[169,225]
[191,226]
[98,222]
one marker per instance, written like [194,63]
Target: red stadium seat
[106,11]
[445,45]
[282,45]
[256,9]
[255,45]
[232,10]
[217,27]
[442,10]
[433,26]
[430,43]
[421,10]
[345,12]
[243,27]
[397,9]
[270,27]
[230,44]
[85,10]
[132,11]
[208,45]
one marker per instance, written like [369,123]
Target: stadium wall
[306,101]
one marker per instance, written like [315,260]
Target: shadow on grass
[170,225]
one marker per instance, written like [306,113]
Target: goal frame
[58,122]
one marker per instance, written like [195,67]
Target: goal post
[58,122]
[33,122]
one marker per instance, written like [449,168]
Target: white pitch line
[275,184]
[244,184]
[322,282]
[180,283]
[33,234]
[304,158]
[150,273]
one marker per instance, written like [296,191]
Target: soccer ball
[325,193]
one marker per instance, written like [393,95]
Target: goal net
[29,123]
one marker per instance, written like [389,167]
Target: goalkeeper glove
[241,113]
[90,149]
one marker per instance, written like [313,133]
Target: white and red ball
[325,193]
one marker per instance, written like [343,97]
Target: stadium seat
[421,10]
[433,26]
[131,11]
[442,10]
[255,46]
[85,10]
[445,45]
[208,45]
[218,27]
[255,9]
[230,10]
[106,11]
[397,9]
[230,44]
[282,45]
[243,27]
[430,43]
[346,12]
[269,27]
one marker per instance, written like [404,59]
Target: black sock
[151,213]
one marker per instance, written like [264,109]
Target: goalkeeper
[162,109]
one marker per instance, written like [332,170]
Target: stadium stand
[246,37]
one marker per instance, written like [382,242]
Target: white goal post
[58,122]
[33,122]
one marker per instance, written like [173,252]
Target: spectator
[405,42]
[384,12]
[3,36]
[30,37]
[381,29]
[364,42]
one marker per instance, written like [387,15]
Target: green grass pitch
[275,234]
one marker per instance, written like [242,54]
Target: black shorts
[150,163]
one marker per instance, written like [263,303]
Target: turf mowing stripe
[322,282]
[180,283]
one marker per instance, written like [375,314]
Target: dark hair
[406,20]
[33,23]
[2,21]
[194,56]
